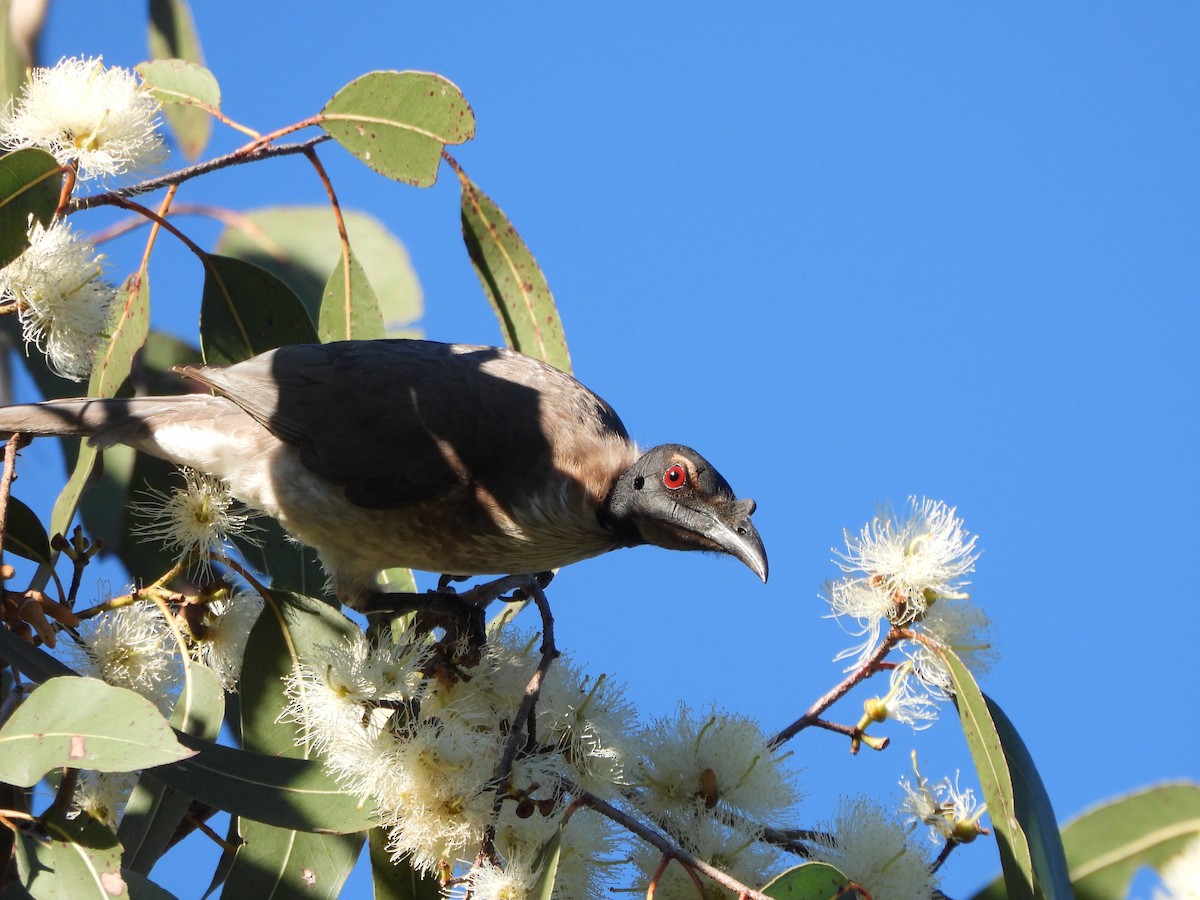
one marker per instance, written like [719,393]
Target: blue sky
[849,253]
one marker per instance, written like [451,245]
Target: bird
[456,459]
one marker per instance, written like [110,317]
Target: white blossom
[103,795]
[101,119]
[195,520]
[904,702]
[64,305]
[717,760]
[872,849]
[226,629]
[951,813]
[733,849]
[960,626]
[1181,875]
[132,647]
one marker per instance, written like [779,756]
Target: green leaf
[30,184]
[995,779]
[274,864]
[511,279]
[1107,845]
[1034,810]
[299,244]
[173,35]
[154,811]
[246,310]
[112,368]
[12,64]
[398,122]
[283,791]
[290,628]
[349,309]
[397,880]
[80,859]
[546,865]
[24,534]
[84,723]
[180,81]
[810,881]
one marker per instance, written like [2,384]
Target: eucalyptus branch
[257,150]
[660,841]
[9,474]
[524,721]
[870,666]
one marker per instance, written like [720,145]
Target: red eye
[675,477]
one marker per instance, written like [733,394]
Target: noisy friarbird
[446,458]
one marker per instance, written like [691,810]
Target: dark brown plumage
[446,458]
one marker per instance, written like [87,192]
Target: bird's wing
[402,421]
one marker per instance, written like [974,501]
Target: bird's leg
[458,615]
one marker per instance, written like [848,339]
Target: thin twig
[338,219]
[661,842]
[251,152]
[15,442]
[523,721]
[868,668]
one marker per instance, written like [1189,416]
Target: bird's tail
[104,422]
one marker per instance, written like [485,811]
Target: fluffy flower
[98,118]
[132,647]
[960,626]
[1181,875]
[897,569]
[951,812]
[904,702]
[226,629]
[433,791]
[194,520]
[588,854]
[873,850]
[336,700]
[735,851]
[65,306]
[913,559]
[103,795]
[718,761]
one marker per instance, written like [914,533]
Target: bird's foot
[461,617]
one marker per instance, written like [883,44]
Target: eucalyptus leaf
[1107,845]
[398,122]
[84,723]
[30,185]
[154,811]
[246,310]
[810,881]
[274,864]
[289,793]
[397,880]
[173,36]
[12,63]
[291,628]
[512,280]
[995,779]
[546,865]
[24,534]
[112,367]
[300,245]
[80,860]
[349,309]
[180,81]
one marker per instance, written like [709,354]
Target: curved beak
[734,533]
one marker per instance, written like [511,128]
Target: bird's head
[672,497]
